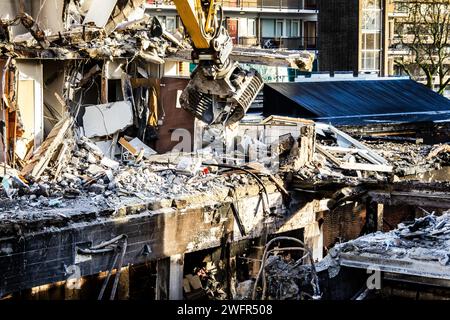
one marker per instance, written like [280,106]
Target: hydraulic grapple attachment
[224,99]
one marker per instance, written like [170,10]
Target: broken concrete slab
[106,119]
[99,12]
[302,60]
[139,145]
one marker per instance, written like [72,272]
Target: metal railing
[298,43]
[259,4]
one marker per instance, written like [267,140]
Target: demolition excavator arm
[220,91]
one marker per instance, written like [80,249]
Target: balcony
[299,43]
[253,5]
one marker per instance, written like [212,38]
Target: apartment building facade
[401,36]
[290,24]
[353,36]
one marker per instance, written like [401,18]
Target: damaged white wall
[49,14]
[107,119]
[99,12]
[31,104]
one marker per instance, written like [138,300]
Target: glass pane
[251,27]
[371,61]
[294,31]
[371,41]
[268,28]
[376,60]
[371,20]
[288,28]
[170,24]
[279,29]
[243,27]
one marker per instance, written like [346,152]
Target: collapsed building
[111,190]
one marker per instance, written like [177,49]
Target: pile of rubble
[87,172]
[206,283]
[138,35]
[288,279]
[410,158]
[338,159]
[425,239]
[341,160]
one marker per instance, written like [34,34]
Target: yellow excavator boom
[192,15]
[220,91]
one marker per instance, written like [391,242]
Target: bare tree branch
[425,32]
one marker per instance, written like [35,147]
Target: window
[371,35]
[247,27]
[371,60]
[171,24]
[371,41]
[372,4]
[288,28]
[279,29]
[295,28]
[251,27]
[268,28]
[371,15]
[243,28]
[372,20]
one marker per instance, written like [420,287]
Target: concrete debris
[288,279]
[424,239]
[204,284]
[244,290]
[411,159]
[88,41]
[138,145]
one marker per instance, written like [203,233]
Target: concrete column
[314,240]
[380,215]
[176,277]
[162,279]
[169,281]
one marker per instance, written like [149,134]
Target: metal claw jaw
[223,100]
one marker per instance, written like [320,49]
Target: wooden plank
[124,143]
[416,198]
[327,154]
[40,160]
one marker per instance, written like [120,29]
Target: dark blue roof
[357,101]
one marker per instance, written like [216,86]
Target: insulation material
[107,119]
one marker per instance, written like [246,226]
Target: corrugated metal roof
[357,102]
